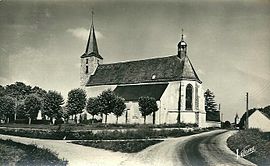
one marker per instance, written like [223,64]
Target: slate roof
[91,47]
[164,69]
[134,92]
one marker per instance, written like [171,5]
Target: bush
[41,122]
[121,146]
[252,137]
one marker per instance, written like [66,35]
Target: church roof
[164,69]
[134,92]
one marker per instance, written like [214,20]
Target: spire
[92,47]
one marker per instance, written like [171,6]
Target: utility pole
[247,110]
[221,114]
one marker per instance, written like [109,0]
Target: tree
[65,114]
[147,105]
[7,107]
[32,106]
[227,125]
[21,112]
[107,102]
[210,103]
[52,105]
[18,90]
[119,108]
[93,106]
[2,91]
[76,101]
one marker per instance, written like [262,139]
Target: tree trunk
[126,116]
[29,120]
[154,117]
[7,119]
[116,119]
[144,119]
[93,116]
[51,120]
[105,118]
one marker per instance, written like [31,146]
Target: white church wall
[169,103]
[188,117]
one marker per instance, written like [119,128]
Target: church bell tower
[182,47]
[91,58]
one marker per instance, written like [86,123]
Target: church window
[98,62]
[86,61]
[86,70]
[189,91]
[196,97]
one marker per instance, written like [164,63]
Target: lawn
[12,153]
[247,139]
[126,146]
[139,133]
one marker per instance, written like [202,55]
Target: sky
[228,42]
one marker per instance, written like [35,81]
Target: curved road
[210,149]
[207,148]
[197,150]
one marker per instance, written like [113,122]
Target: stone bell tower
[91,58]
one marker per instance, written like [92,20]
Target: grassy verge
[12,153]
[95,126]
[127,146]
[141,133]
[252,138]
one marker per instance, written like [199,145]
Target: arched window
[86,70]
[189,91]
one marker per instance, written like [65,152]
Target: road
[206,149]
[196,150]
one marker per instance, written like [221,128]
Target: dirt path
[77,155]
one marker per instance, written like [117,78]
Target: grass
[126,146]
[140,133]
[12,153]
[252,137]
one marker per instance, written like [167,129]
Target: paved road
[210,149]
[197,150]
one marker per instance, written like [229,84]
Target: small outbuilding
[259,120]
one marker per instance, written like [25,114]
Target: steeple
[182,47]
[91,58]
[92,47]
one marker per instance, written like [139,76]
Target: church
[171,80]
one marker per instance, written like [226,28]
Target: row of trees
[23,101]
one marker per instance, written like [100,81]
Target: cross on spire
[182,36]
[92,15]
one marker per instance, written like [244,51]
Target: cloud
[83,33]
